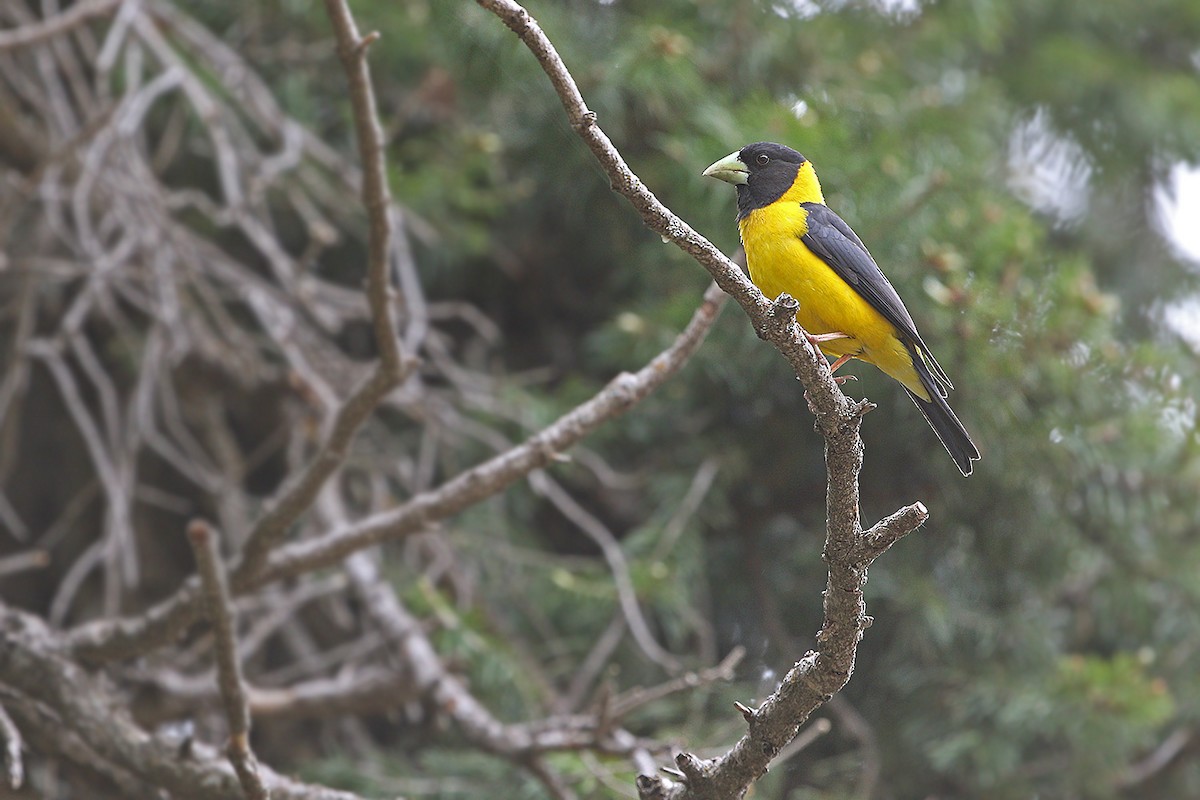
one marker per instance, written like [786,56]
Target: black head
[771,170]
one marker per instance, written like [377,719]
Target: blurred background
[1021,171]
[1011,166]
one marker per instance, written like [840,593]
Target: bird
[796,244]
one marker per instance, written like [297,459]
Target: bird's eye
[762,159]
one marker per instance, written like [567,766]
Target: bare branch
[352,49]
[125,638]
[805,359]
[848,553]
[599,533]
[33,664]
[806,737]
[633,699]
[20,562]
[857,726]
[56,25]
[473,485]
[516,743]
[221,616]
[393,367]
[297,497]
[369,690]
[14,769]
[155,324]
[702,481]
[1157,760]
[597,659]
[110,639]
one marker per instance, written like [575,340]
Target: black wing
[838,246]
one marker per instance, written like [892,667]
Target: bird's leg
[836,365]
[840,379]
[825,337]
[816,339]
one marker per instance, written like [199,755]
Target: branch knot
[780,316]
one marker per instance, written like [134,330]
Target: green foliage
[1099,708]
[1039,635]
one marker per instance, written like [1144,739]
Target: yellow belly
[780,262]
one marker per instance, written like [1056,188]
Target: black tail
[954,436]
[941,418]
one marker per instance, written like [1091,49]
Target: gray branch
[222,617]
[848,550]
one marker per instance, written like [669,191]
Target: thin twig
[368,690]
[597,658]
[1157,760]
[627,702]
[352,49]
[599,533]
[221,616]
[56,25]
[702,481]
[806,737]
[14,769]
[20,562]
[393,366]
[859,727]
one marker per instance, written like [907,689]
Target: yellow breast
[780,262]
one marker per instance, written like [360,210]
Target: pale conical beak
[729,169]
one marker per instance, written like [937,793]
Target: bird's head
[764,172]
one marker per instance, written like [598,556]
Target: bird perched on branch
[796,244]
